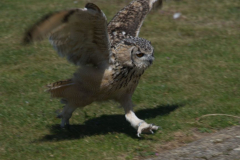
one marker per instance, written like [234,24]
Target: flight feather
[128,21]
[79,34]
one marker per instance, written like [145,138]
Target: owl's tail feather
[57,88]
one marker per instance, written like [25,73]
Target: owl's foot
[64,122]
[144,127]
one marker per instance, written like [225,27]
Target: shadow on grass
[105,124]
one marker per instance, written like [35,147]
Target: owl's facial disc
[141,58]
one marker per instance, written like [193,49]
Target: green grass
[196,72]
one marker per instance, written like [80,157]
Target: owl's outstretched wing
[79,34]
[128,21]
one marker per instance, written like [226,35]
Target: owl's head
[135,52]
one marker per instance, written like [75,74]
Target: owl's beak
[151,60]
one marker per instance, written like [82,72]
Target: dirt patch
[223,145]
[181,139]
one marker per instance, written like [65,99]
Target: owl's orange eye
[140,54]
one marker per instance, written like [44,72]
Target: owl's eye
[140,55]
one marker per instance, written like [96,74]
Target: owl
[111,57]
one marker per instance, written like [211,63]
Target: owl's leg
[66,114]
[140,125]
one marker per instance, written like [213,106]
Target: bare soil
[223,145]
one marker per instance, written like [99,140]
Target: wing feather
[128,21]
[78,34]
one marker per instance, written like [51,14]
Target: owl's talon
[138,134]
[62,126]
[144,127]
[151,131]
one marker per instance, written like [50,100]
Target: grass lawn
[196,72]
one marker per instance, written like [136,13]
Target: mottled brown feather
[57,88]
[45,25]
[92,6]
[128,21]
[78,34]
